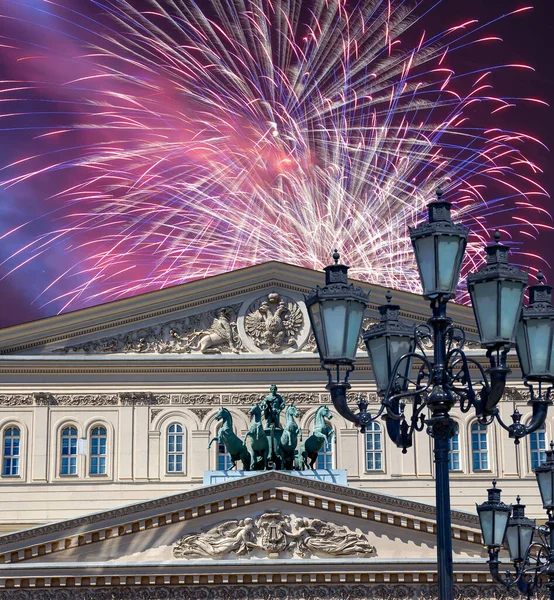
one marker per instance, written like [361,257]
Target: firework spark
[179,140]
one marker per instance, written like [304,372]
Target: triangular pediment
[223,314]
[346,520]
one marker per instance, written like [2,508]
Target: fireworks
[178,140]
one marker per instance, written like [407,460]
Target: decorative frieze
[210,332]
[274,533]
[261,591]
[511,394]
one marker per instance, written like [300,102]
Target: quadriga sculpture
[226,436]
[320,435]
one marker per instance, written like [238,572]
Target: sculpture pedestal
[338,476]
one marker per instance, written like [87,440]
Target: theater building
[107,487]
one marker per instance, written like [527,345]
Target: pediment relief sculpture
[275,533]
[210,332]
[274,322]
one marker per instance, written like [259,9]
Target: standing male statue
[272,405]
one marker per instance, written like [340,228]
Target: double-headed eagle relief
[273,323]
[275,533]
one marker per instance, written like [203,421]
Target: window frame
[168,454]
[457,451]
[372,429]
[18,456]
[75,455]
[541,450]
[482,430]
[105,455]
[325,452]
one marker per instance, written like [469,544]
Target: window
[10,463]
[454,452]
[69,451]
[98,440]
[373,447]
[479,449]
[537,444]
[223,458]
[175,448]
[325,456]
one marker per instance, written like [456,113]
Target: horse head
[255,411]
[325,412]
[292,411]
[223,414]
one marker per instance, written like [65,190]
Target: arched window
[175,448]
[479,447]
[10,462]
[223,458]
[373,447]
[454,452]
[98,439]
[326,454]
[69,451]
[537,445]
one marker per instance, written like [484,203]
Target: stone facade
[124,377]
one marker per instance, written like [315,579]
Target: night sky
[28,208]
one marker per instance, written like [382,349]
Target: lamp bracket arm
[362,418]
[423,335]
[457,368]
[391,396]
[494,568]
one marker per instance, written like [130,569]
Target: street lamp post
[396,350]
[533,560]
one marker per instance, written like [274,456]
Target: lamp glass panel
[355,319]
[485,307]
[334,321]
[486,521]
[317,326]
[551,369]
[523,348]
[447,252]
[400,345]
[519,538]
[511,295]
[545,481]
[377,348]
[500,523]
[425,252]
[538,331]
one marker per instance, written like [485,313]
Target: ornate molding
[511,394]
[210,332]
[314,591]
[274,533]
[200,412]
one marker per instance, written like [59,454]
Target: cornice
[255,489]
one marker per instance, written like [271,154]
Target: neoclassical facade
[108,412]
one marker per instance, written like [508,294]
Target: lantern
[386,343]
[336,312]
[493,517]
[439,246]
[496,294]
[535,332]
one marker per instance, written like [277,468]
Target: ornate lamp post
[533,560]
[443,381]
